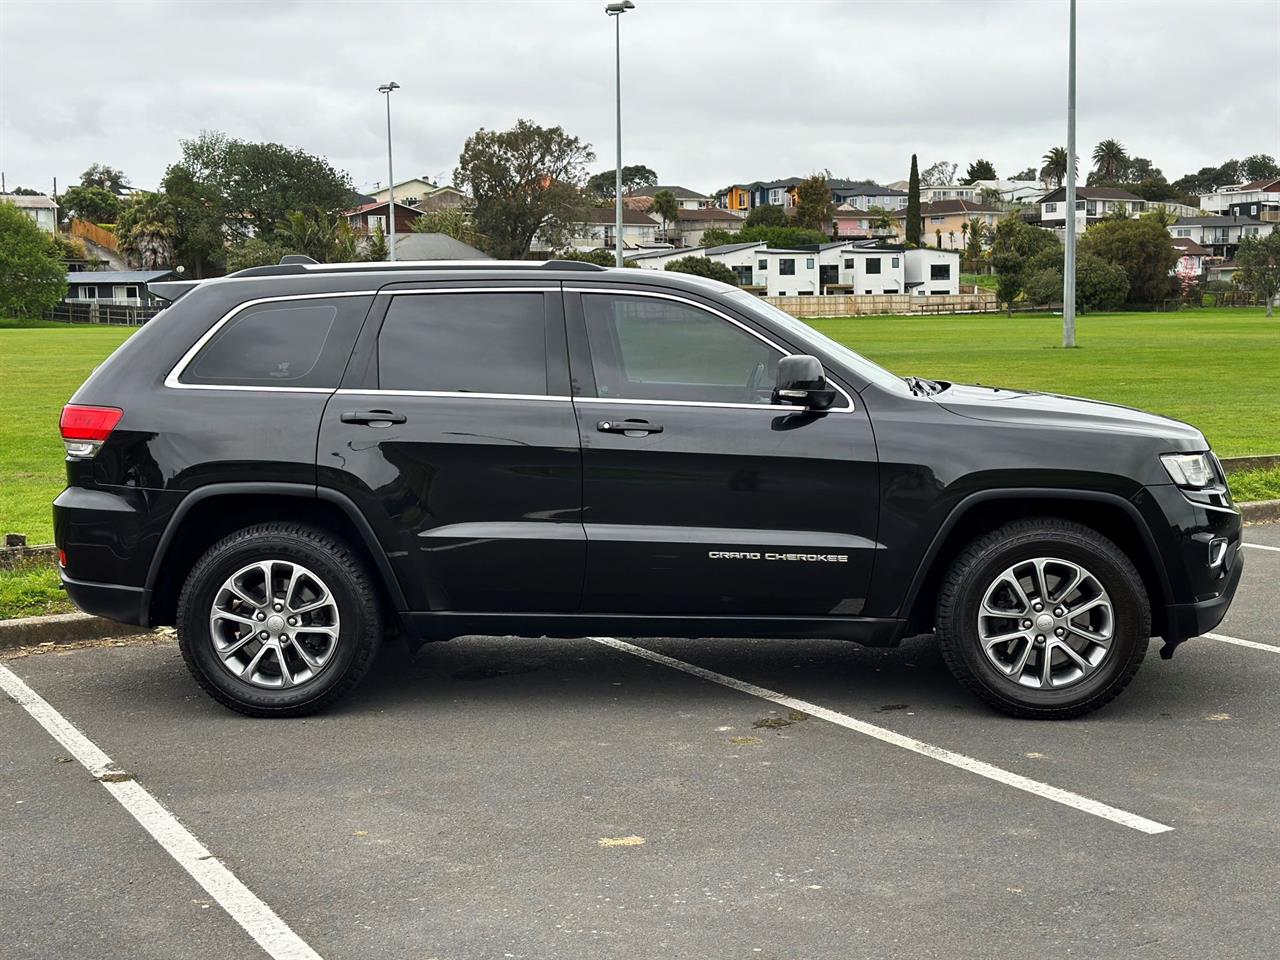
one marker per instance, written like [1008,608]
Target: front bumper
[1186,620]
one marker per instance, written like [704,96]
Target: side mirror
[801,381]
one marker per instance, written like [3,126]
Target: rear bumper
[114,601]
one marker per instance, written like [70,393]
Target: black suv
[294,461]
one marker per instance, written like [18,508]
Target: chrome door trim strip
[461,394]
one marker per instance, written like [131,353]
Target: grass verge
[1249,485]
[30,590]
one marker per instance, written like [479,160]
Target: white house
[1259,200]
[932,272]
[1092,204]
[949,191]
[658,257]
[1014,191]
[741,259]
[688,199]
[1191,259]
[692,222]
[868,270]
[39,208]
[597,230]
[1220,234]
[840,267]
[424,194]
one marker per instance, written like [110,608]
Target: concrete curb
[1260,511]
[1235,464]
[61,628]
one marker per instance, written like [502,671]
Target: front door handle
[630,428]
[372,418]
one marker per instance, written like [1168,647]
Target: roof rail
[297,266]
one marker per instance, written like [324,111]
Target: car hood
[1002,405]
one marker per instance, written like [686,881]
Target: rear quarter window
[286,343]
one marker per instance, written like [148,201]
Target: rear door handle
[631,428]
[372,418]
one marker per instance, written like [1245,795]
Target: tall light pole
[1069,255]
[616,10]
[386,88]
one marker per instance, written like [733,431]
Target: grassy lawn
[30,590]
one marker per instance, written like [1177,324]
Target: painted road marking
[257,919]
[1262,546]
[1252,644]
[979,767]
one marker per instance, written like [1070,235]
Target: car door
[455,435]
[701,497]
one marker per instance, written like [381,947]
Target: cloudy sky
[714,91]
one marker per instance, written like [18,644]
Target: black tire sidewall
[225,559]
[1128,638]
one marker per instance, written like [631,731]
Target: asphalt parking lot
[494,797]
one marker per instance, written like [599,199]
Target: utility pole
[616,10]
[386,88]
[1069,258]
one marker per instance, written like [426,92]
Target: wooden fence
[861,305]
[95,234]
[91,312]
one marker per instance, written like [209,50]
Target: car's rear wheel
[1043,618]
[278,620]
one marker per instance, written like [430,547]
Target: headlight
[1191,471]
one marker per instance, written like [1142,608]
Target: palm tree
[964,234]
[951,239]
[938,233]
[1110,160]
[667,207]
[1055,166]
[301,234]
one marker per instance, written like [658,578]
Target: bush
[32,277]
[1143,249]
[702,267]
[254,252]
[601,258]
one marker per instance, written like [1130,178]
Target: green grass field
[1218,369]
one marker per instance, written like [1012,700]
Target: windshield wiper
[922,387]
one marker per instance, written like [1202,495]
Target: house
[1191,259]
[691,224]
[851,223]
[931,272]
[657,258]
[417,191]
[1014,191]
[1221,234]
[435,246]
[369,217]
[688,199]
[1092,204]
[115,287]
[837,267]
[740,258]
[1259,200]
[949,191]
[864,196]
[597,226]
[442,198]
[742,198]
[39,208]
[945,223]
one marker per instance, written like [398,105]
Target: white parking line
[979,767]
[1252,644]
[257,919]
[1262,546]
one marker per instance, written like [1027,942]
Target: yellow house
[739,199]
[943,222]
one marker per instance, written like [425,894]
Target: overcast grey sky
[714,91]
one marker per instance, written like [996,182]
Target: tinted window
[787,267]
[655,349]
[873,265]
[300,343]
[472,342]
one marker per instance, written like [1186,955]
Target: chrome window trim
[461,394]
[172,379]
[723,316]
[418,290]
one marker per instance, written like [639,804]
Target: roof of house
[708,213]
[117,276]
[732,248]
[366,207]
[1189,248]
[680,193]
[435,246]
[637,203]
[1218,221]
[1266,183]
[942,208]
[650,254]
[38,201]
[607,215]
[865,189]
[1091,193]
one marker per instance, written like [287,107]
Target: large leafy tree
[767,215]
[93,203]
[980,170]
[1100,285]
[1054,166]
[1259,267]
[913,205]
[1260,166]
[32,277]
[1015,245]
[525,181]
[1142,248]
[702,267]
[814,208]
[105,177]
[146,232]
[199,221]
[635,176]
[939,174]
[1110,161]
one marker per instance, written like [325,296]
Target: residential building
[1259,200]
[1174,208]
[1192,259]
[1092,204]
[850,223]
[945,223]
[368,217]
[1014,191]
[39,208]
[435,246]
[114,287]
[1221,234]
[864,196]
[837,267]
[949,191]
[691,224]
[932,272]
[865,270]
[740,258]
[745,197]
[688,199]
[417,190]
[596,230]
[442,198]
[658,257]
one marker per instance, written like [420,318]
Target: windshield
[805,334]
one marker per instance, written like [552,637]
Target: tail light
[84,429]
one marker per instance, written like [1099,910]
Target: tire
[326,653]
[979,583]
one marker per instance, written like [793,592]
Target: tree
[938,238]
[199,215]
[980,170]
[767,215]
[254,252]
[1142,248]
[105,177]
[781,237]
[1099,285]
[375,248]
[452,222]
[814,208]
[1110,160]
[913,205]
[1260,166]
[1027,174]
[1259,266]
[666,206]
[939,174]
[525,182]
[310,236]
[26,192]
[1015,244]
[601,258]
[32,277]
[1055,166]
[879,218]
[146,232]
[603,184]
[717,237]
[702,267]
[93,203]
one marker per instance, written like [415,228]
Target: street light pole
[386,88]
[1069,255]
[616,10]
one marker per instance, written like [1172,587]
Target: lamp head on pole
[388,87]
[619,8]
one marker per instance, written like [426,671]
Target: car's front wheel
[278,620]
[1043,618]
